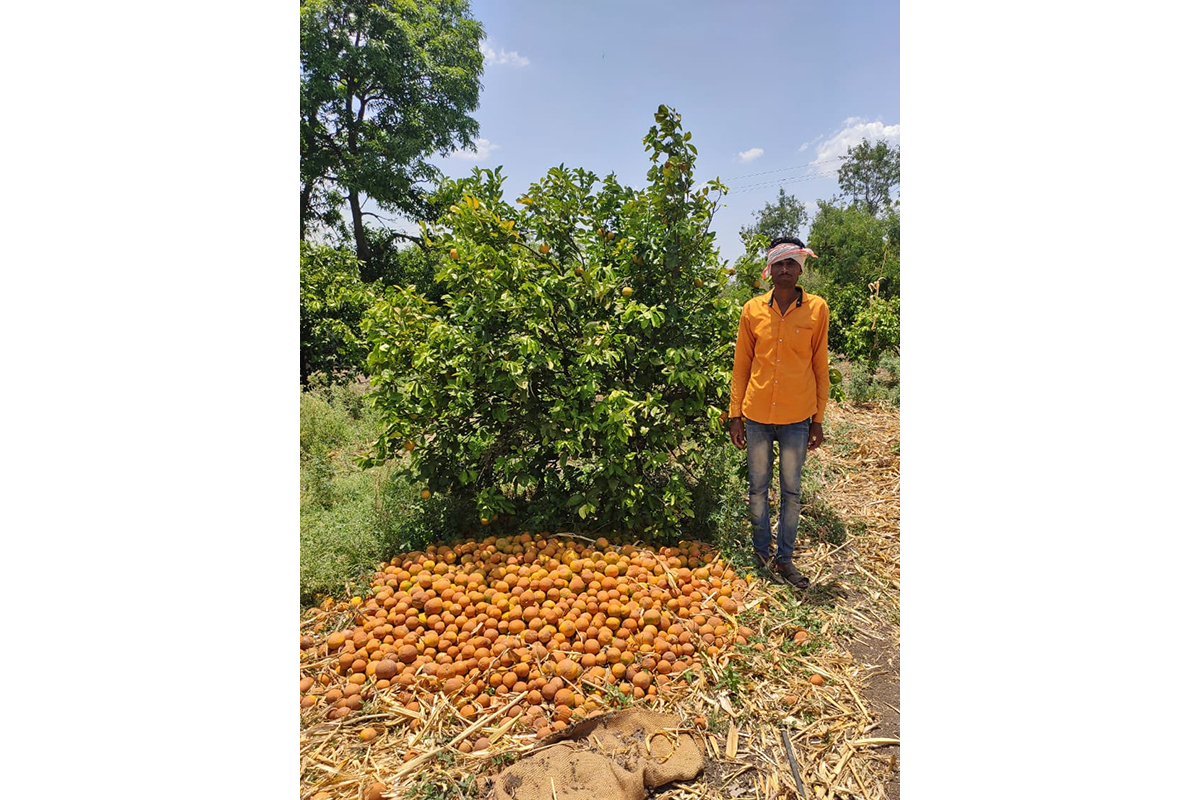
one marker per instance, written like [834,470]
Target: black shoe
[787,570]
[763,563]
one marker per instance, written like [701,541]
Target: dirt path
[860,466]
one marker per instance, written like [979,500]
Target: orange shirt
[781,364]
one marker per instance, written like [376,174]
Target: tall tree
[785,217]
[384,85]
[869,173]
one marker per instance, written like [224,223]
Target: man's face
[785,272]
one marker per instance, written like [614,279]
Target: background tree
[785,217]
[384,85]
[869,174]
[858,267]
[333,299]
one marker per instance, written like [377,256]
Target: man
[779,391]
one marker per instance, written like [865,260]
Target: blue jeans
[793,448]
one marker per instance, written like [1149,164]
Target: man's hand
[737,433]
[815,436]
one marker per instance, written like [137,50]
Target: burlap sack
[614,756]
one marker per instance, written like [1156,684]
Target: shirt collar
[799,298]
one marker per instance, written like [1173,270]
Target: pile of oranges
[574,625]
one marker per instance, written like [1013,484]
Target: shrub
[332,301]
[879,383]
[874,332]
[569,370]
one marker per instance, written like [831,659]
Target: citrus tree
[579,355]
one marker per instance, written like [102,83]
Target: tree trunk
[362,247]
[305,208]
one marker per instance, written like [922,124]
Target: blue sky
[771,91]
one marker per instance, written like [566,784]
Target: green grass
[350,519]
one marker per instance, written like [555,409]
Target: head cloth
[786,250]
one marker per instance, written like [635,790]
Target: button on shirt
[781,363]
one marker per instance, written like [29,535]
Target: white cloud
[749,155]
[853,131]
[483,149]
[502,58]
[803,147]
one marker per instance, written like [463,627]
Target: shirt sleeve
[743,354]
[820,365]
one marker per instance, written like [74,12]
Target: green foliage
[868,175]
[858,274]
[384,85]
[350,518]
[876,383]
[416,267]
[720,496]
[333,298]
[785,217]
[874,331]
[856,248]
[332,302]
[731,680]
[580,383]
[747,269]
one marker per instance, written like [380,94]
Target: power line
[785,169]
[783,182]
